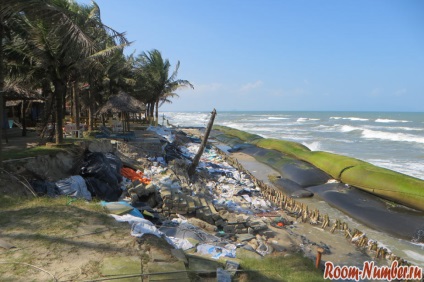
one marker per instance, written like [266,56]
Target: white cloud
[251,85]
[208,87]
[376,92]
[400,92]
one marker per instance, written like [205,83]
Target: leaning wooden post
[196,158]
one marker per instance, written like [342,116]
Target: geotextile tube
[372,211]
[395,186]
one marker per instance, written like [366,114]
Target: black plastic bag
[97,165]
[102,190]
[43,187]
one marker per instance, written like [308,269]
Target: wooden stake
[192,168]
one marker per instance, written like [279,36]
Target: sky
[282,55]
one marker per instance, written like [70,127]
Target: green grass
[30,152]
[280,268]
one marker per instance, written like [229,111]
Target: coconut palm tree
[159,85]
[60,37]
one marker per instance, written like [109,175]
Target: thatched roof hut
[123,103]
[14,92]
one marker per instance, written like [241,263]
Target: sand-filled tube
[332,164]
[398,187]
[388,184]
[244,136]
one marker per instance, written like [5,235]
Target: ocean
[393,140]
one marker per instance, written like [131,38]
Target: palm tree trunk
[147,112]
[90,111]
[59,90]
[157,110]
[76,109]
[157,113]
[23,118]
[1,92]
[152,110]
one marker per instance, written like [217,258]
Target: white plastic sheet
[216,252]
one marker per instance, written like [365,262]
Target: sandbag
[298,171]
[245,136]
[388,184]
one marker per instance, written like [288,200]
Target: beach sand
[304,236]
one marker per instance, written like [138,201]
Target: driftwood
[192,168]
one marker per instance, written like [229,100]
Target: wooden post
[192,168]
[318,259]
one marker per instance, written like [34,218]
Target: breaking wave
[401,137]
[384,120]
[351,118]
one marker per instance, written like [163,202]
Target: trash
[102,190]
[97,165]
[264,249]
[134,175]
[115,163]
[186,230]
[42,187]
[120,208]
[215,251]
[128,218]
[73,186]
[144,227]
[182,244]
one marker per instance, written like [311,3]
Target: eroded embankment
[302,179]
[391,185]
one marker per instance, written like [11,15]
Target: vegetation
[63,50]
[49,231]
[30,152]
[279,268]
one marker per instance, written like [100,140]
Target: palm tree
[159,86]
[61,36]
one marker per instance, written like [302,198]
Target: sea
[393,140]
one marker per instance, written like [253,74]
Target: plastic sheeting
[217,252]
[104,168]
[103,190]
[74,186]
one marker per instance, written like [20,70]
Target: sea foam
[400,137]
[384,120]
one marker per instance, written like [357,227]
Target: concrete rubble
[217,214]
[219,199]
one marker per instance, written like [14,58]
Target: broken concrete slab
[167,271]
[180,255]
[120,266]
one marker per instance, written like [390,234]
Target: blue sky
[283,55]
